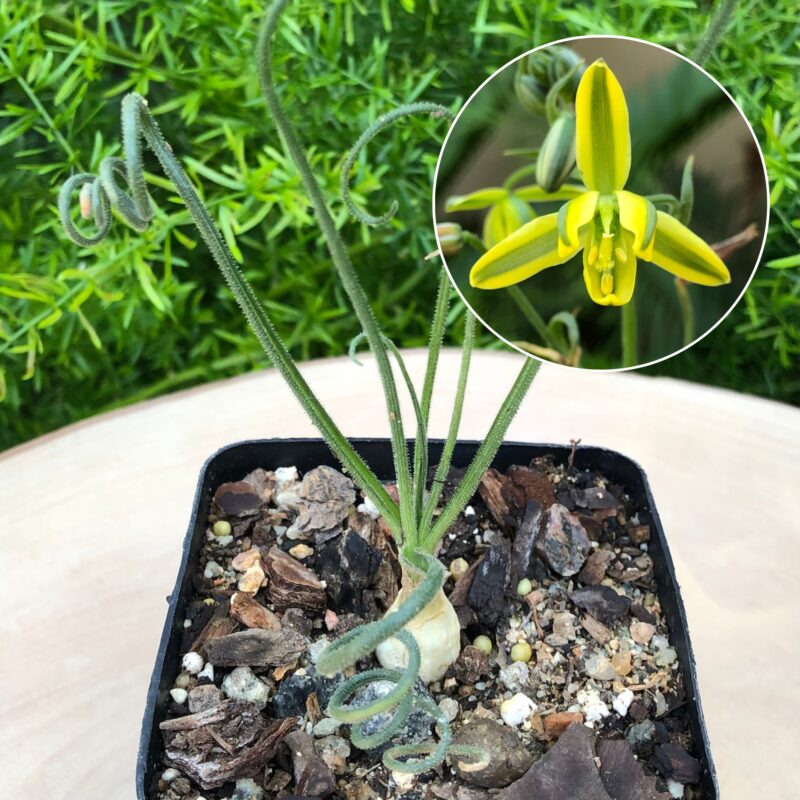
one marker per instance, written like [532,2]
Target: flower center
[606,247]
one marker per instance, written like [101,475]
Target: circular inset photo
[601,202]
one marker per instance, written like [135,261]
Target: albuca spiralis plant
[419,637]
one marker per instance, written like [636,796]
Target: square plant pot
[231,463]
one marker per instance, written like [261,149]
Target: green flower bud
[505,217]
[562,60]
[531,94]
[557,154]
[450,237]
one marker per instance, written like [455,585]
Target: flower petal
[505,217]
[638,215]
[603,136]
[617,287]
[535,194]
[483,198]
[529,250]
[683,253]
[572,216]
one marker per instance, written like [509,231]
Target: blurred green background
[675,111]
[82,332]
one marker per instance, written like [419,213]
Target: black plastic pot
[234,461]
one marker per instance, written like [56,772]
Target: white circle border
[733,102]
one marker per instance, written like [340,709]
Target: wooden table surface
[93,517]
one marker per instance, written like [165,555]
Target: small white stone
[659,642]
[515,675]
[326,727]
[213,570]
[368,507]
[517,710]
[247,789]
[242,684]
[187,623]
[285,476]
[594,709]
[193,663]
[469,511]
[622,702]
[301,551]
[449,707]
[224,541]
[404,780]
[280,530]
[170,774]
[207,672]
[317,648]
[675,789]
[179,695]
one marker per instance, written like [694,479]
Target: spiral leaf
[403,698]
[369,134]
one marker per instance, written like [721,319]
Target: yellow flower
[612,226]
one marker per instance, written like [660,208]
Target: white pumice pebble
[517,709]
[213,570]
[207,672]
[449,707]
[404,780]
[622,702]
[594,709]
[675,789]
[224,541]
[193,663]
[368,507]
[179,695]
[469,511]
[170,774]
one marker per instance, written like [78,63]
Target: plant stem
[443,467]
[629,334]
[533,316]
[687,310]
[434,348]
[486,453]
[716,28]
[343,266]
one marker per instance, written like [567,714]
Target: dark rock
[298,619]
[622,775]
[563,542]
[594,498]
[348,565]
[238,499]
[566,771]
[594,570]
[486,595]
[639,534]
[491,492]
[256,648]
[291,584]
[470,665]
[417,727]
[524,541]
[290,699]
[675,763]
[642,614]
[641,735]
[602,602]
[508,758]
[312,776]
[638,711]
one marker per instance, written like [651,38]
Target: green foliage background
[83,331]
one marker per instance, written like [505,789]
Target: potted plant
[559,540]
